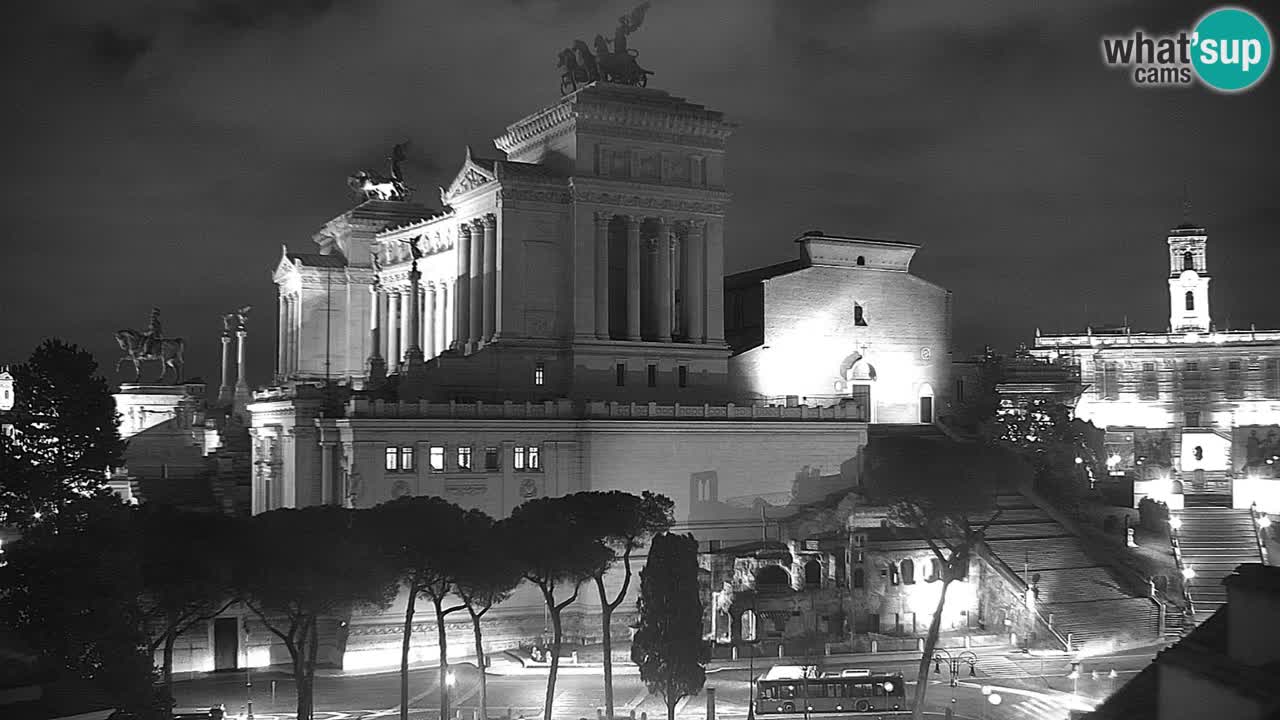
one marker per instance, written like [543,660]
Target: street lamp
[953,664]
[248,677]
[1188,573]
[1075,677]
[1175,523]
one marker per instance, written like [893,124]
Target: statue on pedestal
[617,64]
[139,347]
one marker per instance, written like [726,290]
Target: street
[1029,687]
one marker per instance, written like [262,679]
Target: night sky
[158,152]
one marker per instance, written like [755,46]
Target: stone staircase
[1077,593]
[1214,541]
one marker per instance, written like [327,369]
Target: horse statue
[616,64]
[372,186]
[572,72]
[139,348]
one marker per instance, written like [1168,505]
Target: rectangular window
[653,376]
[539,374]
[464,458]
[491,458]
[437,458]
[406,459]
[1192,419]
[535,457]
[1149,387]
[682,376]
[1148,367]
[393,459]
[621,371]
[959,390]
[1110,382]
[1233,365]
[518,457]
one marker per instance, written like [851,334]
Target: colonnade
[675,253]
[392,319]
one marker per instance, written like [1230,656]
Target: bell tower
[1188,279]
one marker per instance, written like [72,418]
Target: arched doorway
[926,404]
[772,578]
[813,574]
[857,376]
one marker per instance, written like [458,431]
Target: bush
[1153,514]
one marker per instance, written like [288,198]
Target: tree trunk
[671,707]
[313,649]
[480,663]
[606,621]
[930,642]
[300,679]
[555,657]
[404,651]
[443,642]
[170,638]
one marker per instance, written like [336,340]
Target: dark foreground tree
[668,645]
[943,492]
[187,572]
[487,578]
[425,542]
[65,434]
[624,522]
[306,567]
[556,550]
[71,587]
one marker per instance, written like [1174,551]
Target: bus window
[788,692]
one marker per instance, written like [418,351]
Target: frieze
[397,629]
[666,138]
[559,196]
[647,202]
[470,180]
[465,489]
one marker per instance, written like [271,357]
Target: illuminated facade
[1195,408]
[846,324]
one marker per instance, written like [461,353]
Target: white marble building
[1185,401]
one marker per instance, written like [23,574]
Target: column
[462,287]
[393,329]
[662,282]
[429,316]
[242,384]
[282,343]
[633,278]
[327,494]
[413,321]
[490,278]
[224,390]
[444,324]
[475,329]
[695,290]
[713,276]
[375,309]
[406,303]
[291,336]
[384,323]
[602,274]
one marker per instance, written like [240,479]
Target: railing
[731,411]
[1009,575]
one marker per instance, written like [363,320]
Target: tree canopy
[668,645]
[65,434]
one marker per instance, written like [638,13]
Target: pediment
[285,268]
[472,175]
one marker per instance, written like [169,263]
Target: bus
[803,690]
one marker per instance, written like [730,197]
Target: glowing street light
[995,699]
[1175,522]
[450,678]
[1188,573]
[1264,522]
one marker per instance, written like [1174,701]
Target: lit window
[464,458]
[406,458]
[393,459]
[653,376]
[535,458]
[517,459]
[682,375]
[491,458]
[526,458]
[539,374]
[437,459]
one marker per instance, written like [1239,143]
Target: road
[1029,687]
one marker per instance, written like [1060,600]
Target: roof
[318,260]
[750,277]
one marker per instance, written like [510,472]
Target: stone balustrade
[564,409]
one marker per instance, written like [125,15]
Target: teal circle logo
[1231,49]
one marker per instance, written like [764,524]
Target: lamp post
[1075,677]
[248,677]
[954,663]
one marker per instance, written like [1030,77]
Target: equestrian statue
[614,64]
[140,347]
[371,186]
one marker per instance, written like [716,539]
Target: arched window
[859,579]
[908,572]
[935,570]
[894,578]
[858,318]
[1191,301]
[861,261]
[1188,260]
[772,577]
[813,574]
